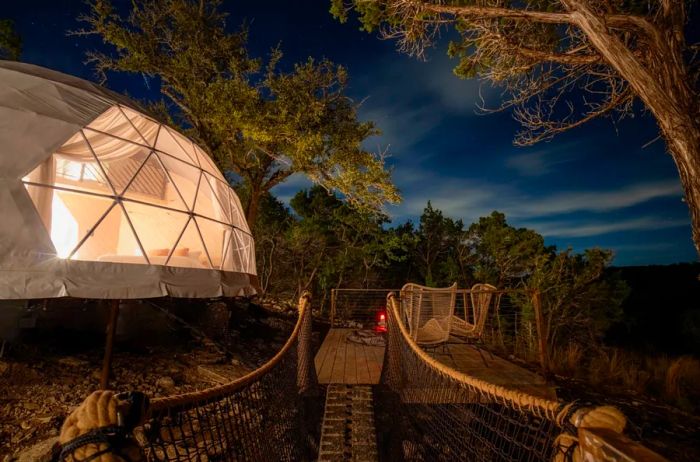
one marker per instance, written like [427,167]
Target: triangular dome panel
[97,190]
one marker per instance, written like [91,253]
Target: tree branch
[485,12]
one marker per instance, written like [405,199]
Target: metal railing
[513,326]
[357,306]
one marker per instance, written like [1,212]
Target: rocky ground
[45,374]
[175,347]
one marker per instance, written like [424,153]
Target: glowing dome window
[128,189]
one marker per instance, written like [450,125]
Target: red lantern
[381,321]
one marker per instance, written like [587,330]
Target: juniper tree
[257,120]
[10,41]
[565,62]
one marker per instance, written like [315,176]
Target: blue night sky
[594,186]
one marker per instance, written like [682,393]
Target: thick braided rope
[514,399]
[98,411]
[568,416]
[195,397]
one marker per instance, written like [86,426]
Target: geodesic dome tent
[99,200]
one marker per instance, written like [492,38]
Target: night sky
[596,186]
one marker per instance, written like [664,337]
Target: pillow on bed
[194,254]
[158,252]
[181,252]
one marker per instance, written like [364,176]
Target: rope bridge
[262,416]
[424,411]
[432,412]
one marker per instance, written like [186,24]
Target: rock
[210,375]
[165,383]
[40,452]
[72,361]
[235,362]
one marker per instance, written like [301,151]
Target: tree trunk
[685,150]
[251,210]
[665,92]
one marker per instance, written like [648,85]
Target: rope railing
[259,417]
[439,413]
[424,409]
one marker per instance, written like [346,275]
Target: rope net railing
[432,412]
[263,416]
[357,307]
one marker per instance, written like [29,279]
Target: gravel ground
[45,374]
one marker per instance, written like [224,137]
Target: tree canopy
[563,63]
[10,41]
[256,119]
[321,243]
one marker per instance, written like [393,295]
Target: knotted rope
[100,428]
[572,418]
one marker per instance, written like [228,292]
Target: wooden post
[333,297]
[541,334]
[109,345]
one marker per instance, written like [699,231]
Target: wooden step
[348,432]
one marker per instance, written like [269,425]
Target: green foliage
[578,303]
[437,240]
[257,120]
[322,244]
[501,254]
[10,41]
[371,14]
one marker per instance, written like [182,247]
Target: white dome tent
[99,200]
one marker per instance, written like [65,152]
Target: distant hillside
[662,312]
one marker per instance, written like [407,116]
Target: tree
[356,246]
[10,41]
[501,254]
[437,239]
[260,122]
[579,302]
[271,230]
[565,62]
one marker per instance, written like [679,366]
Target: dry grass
[673,380]
[567,361]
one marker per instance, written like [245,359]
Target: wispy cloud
[462,96]
[597,228]
[402,127]
[459,198]
[599,201]
[412,97]
[471,198]
[542,161]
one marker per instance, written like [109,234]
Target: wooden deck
[481,364]
[341,361]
